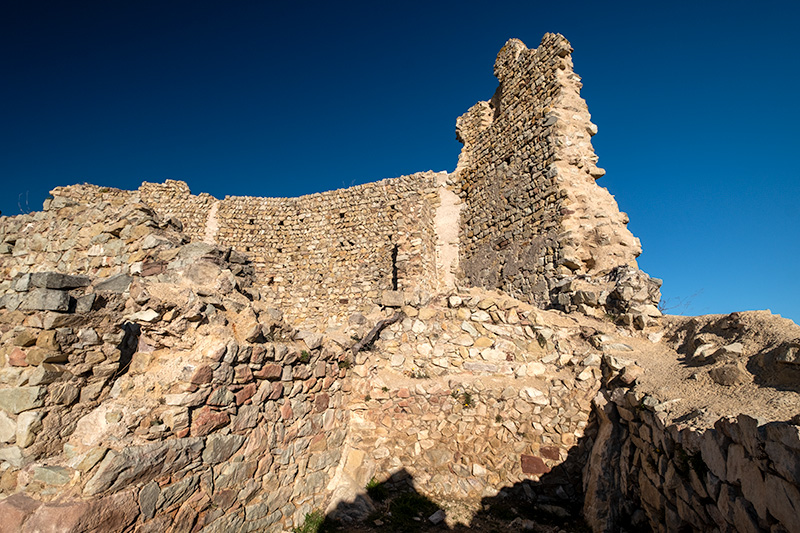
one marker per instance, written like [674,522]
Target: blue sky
[695,101]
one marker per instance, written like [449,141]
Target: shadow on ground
[550,504]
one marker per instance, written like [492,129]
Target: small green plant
[455,394]
[467,400]
[418,373]
[376,490]
[104,189]
[408,510]
[498,419]
[367,398]
[312,523]
[345,363]
[385,388]
[305,357]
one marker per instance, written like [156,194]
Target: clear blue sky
[696,103]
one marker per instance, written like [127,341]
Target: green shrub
[376,490]
[312,523]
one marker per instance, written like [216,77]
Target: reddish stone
[153,269]
[271,372]
[182,433]
[318,443]
[264,465]
[533,465]
[224,498]
[321,402]
[277,391]
[112,513]
[403,393]
[17,357]
[245,394]
[242,374]
[204,421]
[202,375]
[309,384]
[286,411]
[550,452]
[15,510]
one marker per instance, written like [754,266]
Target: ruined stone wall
[469,396]
[533,222]
[152,392]
[174,199]
[741,475]
[318,256]
[333,253]
[533,214]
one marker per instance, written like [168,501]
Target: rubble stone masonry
[532,217]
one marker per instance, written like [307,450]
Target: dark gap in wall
[394,268]
[252,221]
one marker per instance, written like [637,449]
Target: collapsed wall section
[154,391]
[317,256]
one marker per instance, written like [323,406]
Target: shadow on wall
[551,504]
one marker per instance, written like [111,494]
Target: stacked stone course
[740,475]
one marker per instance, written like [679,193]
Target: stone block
[118,283]
[57,280]
[8,428]
[783,502]
[392,299]
[18,399]
[46,300]
[220,448]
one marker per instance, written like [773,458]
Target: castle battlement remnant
[530,219]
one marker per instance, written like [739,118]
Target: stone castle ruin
[178,362]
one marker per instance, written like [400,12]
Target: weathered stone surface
[783,502]
[205,420]
[727,375]
[177,493]
[533,465]
[8,428]
[219,448]
[111,514]
[52,475]
[270,372]
[148,497]
[46,300]
[15,510]
[392,299]
[57,280]
[29,424]
[138,464]
[19,399]
[118,283]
